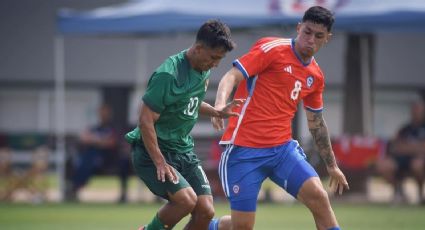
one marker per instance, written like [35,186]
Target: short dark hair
[213,33]
[319,15]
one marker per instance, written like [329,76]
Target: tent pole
[366,81]
[59,68]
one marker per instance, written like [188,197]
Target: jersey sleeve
[157,91]
[253,62]
[314,101]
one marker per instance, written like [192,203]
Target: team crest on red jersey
[310,81]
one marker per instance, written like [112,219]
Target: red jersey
[276,80]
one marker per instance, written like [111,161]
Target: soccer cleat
[141,228]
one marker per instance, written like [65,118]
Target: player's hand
[226,111]
[165,171]
[218,123]
[337,182]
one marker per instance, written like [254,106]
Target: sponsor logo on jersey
[205,186]
[310,81]
[288,69]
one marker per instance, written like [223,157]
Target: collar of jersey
[296,54]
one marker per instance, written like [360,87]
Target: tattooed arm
[319,131]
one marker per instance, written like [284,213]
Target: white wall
[400,59]
[100,60]
[391,111]
[33,110]
[27,32]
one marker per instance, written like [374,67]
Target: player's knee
[204,210]
[320,194]
[317,197]
[186,201]
[225,222]
[208,214]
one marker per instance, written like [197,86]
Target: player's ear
[328,38]
[298,27]
[198,47]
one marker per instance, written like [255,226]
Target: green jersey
[176,92]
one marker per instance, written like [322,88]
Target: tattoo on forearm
[320,134]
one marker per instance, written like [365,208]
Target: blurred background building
[373,64]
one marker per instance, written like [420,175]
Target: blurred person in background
[6,174]
[97,143]
[162,153]
[274,77]
[406,154]
[123,166]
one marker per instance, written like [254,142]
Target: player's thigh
[149,176]
[198,180]
[147,172]
[242,171]
[196,177]
[293,171]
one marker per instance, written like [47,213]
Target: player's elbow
[236,75]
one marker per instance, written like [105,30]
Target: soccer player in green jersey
[162,148]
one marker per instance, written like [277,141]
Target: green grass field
[111,216]
[269,216]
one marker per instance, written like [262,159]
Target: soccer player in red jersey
[273,77]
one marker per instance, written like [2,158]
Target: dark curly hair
[319,15]
[214,34]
